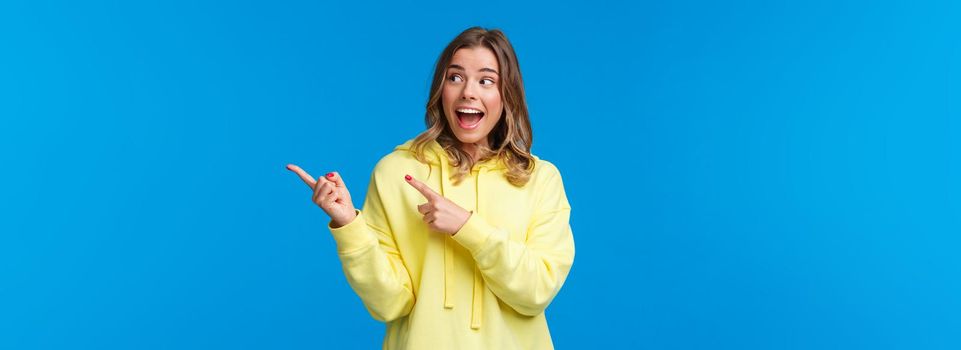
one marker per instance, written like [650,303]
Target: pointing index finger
[309,180]
[421,187]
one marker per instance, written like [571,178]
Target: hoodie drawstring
[448,248]
[478,285]
[477,298]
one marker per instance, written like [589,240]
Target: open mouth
[469,118]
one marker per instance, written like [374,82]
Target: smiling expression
[471,94]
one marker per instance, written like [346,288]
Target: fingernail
[330,174]
[407,177]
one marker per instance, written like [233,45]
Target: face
[471,95]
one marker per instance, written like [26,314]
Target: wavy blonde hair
[510,140]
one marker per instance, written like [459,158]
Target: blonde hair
[510,140]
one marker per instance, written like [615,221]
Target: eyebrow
[485,69]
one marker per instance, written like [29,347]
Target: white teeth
[468,110]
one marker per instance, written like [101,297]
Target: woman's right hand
[330,194]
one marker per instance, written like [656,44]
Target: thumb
[334,177]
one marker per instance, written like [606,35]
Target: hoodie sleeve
[372,262]
[526,275]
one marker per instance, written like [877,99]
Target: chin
[465,136]
[468,138]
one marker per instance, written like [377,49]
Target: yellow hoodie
[487,286]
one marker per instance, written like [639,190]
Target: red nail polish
[407,177]
[330,174]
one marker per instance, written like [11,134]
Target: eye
[455,78]
[487,81]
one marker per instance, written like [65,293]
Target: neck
[471,148]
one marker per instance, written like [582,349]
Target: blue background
[743,175]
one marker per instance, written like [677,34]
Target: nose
[467,93]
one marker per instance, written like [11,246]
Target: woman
[471,250]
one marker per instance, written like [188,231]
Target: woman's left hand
[440,213]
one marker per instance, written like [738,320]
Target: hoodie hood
[436,155]
[465,196]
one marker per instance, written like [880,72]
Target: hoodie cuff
[353,236]
[474,234]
